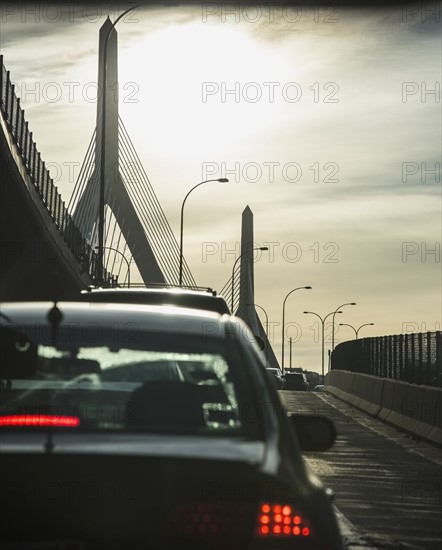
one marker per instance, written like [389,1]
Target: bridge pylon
[117,198]
[246,304]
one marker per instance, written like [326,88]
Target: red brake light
[208,524]
[223,520]
[282,521]
[39,420]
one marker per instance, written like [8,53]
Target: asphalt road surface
[387,484]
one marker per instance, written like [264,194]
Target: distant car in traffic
[277,378]
[128,426]
[206,299]
[296,381]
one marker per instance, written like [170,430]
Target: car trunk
[131,494]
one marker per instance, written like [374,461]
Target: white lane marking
[352,537]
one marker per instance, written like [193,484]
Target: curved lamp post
[323,343]
[238,258]
[100,247]
[125,259]
[283,323]
[220,180]
[333,320]
[265,313]
[356,330]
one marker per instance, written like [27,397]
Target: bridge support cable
[84,203]
[86,171]
[84,198]
[161,234]
[138,190]
[111,238]
[112,246]
[226,290]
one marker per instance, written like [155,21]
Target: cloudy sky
[326,122]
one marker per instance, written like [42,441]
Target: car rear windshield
[125,380]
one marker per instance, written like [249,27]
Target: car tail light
[39,420]
[283,521]
[221,523]
[228,524]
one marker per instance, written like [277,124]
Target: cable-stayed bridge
[50,249]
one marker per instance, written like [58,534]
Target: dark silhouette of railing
[414,358]
[14,117]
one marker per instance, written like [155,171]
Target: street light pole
[238,258]
[290,353]
[100,271]
[323,338]
[333,319]
[220,180]
[364,325]
[125,259]
[283,322]
[351,326]
[356,330]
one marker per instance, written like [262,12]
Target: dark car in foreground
[205,299]
[126,426]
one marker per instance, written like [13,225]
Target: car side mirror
[314,432]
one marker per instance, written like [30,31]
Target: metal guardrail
[414,358]
[14,116]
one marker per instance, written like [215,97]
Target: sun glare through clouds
[190,87]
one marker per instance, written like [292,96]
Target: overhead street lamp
[101,205]
[220,180]
[356,330]
[125,259]
[238,258]
[323,340]
[283,322]
[265,313]
[333,325]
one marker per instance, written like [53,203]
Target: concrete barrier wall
[368,391]
[412,408]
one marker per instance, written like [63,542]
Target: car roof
[164,319]
[183,297]
[148,290]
